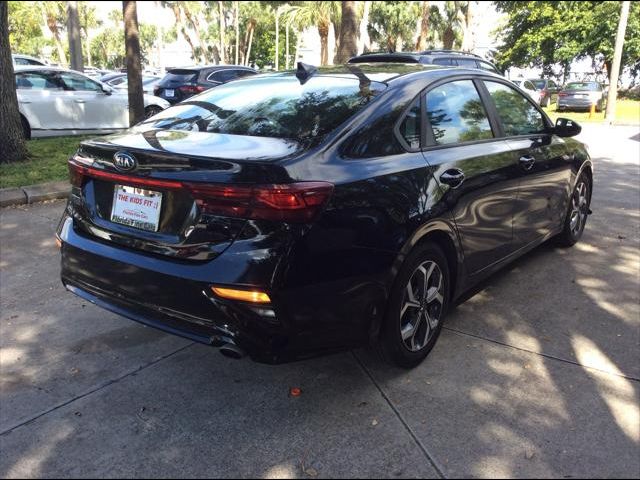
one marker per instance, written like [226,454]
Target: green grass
[47,162]
[627,112]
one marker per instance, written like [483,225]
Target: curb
[34,193]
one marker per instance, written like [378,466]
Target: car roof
[212,67]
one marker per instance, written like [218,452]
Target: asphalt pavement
[536,375]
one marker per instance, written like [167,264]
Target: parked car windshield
[594,86]
[270,106]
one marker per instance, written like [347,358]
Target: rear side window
[456,113]
[518,115]
[78,82]
[37,81]
[410,127]
[486,66]
[442,61]
[223,76]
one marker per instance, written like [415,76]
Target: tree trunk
[196,28]
[323,30]
[421,44]
[248,56]
[73,32]
[221,46]
[364,44]
[610,114]
[286,43]
[12,146]
[348,46]
[52,23]
[448,38]
[236,19]
[467,30]
[134,69]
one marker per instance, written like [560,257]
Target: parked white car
[19,59]
[529,88]
[56,101]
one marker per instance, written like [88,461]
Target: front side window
[456,113]
[518,115]
[78,82]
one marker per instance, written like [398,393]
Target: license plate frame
[136,207]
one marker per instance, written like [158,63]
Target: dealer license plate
[169,93]
[136,207]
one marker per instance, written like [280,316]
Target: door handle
[452,177]
[527,162]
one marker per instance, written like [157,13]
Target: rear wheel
[576,217]
[26,129]
[416,308]
[151,110]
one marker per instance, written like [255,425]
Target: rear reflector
[252,296]
[290,202]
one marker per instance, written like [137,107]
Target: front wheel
[151,110]
[576,218]
[417,306]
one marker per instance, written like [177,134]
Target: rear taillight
[192,89]
[562,94]
[290,202]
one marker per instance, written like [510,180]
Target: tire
[151,110]
[577,213]
[26,129]
[413,321]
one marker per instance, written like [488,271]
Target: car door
[97,109]
[44,101]
[475,169]
[544,165]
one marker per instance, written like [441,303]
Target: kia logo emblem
[123,161]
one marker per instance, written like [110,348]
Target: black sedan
[294,214]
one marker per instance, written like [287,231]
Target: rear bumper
[576,103]
[175,296]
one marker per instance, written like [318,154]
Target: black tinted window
[456,113]
[518,115]
[269,106]
[410,126]
[223,76]
[442,61]
[467,62]
[180,76]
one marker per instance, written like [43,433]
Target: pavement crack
[94,390]
[436,466]
[545,355]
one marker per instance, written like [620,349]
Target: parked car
[56,101]
[181,83]
[19,59]
[581,95]
[452,58]
[299,213]
[548,90]
[529,88]
[119,80]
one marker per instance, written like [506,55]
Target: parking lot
[536,375]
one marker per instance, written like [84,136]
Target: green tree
[319,14]
[55,15]
[544,33]
[25,28]
[393,24]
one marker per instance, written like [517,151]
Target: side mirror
[107,90]
[566,127]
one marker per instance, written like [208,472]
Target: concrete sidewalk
[536,375]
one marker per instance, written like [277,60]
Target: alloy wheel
[422,306]
[579,209]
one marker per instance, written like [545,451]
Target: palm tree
[421,44]
[88,20]
[178,9]
[447,23]
[348,46]
[319,14]
[12,146]
[134,69]
[54,17]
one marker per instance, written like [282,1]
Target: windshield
[270,106]
[593,86]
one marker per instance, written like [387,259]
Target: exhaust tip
[232,351]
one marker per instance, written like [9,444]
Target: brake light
[562,94]
[253,296]
[192,88]
[290,202]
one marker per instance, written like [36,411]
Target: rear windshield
[595,86]
[183,76]
[539,84]
[270,106]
